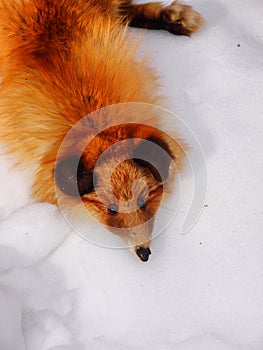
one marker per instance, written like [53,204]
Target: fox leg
[176,18]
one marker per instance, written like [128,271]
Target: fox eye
[112,209]
[141,203]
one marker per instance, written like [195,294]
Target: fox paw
[181,19]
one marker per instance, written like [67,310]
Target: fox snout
[143,253]
[141,242]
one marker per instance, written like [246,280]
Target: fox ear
[72,178]
[156,159]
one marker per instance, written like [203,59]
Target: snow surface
[199,291]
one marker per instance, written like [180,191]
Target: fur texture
[61,60]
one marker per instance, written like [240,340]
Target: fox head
[120,178]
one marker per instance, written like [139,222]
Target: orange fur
[60,61]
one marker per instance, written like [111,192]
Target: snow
[30,234]
[201,290]
[10,321]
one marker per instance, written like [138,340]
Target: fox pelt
[61,60]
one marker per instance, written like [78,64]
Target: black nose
[143,253]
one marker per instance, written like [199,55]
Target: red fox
[61,60]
